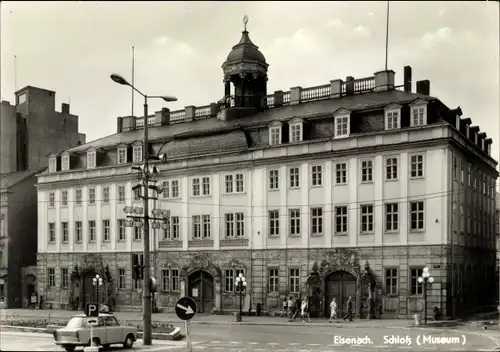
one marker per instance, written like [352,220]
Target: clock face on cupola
[246,68]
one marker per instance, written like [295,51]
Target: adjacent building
[302,191]
[29,131]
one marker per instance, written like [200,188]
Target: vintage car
[107,332]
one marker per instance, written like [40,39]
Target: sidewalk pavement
[171,318]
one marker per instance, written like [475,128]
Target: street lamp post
[97,282]
[241,284]
[146,174]
[425,279]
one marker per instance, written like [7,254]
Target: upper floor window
[273,179]
[64,198]
[78,196]
[275,134]
[65,162]
[296,132]
[391,168]
[294,223]
[121,194]
[294,177]
[416,166]
[341,173]
[317,175]
[417,216]
[137,153]
[366,171]
[53,164]
[234,183]
[91,195]
[105,194]
[342,126]
[52,199]
[122,155]
[91,159]
[418,115]
[274,222]
[235,224]
[201,186]
[393,117]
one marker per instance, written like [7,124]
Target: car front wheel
[129,341]
[69,348]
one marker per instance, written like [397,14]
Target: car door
[113,330]
[99,331]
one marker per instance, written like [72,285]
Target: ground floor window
[416,288]
[2,292]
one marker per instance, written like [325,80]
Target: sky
[72,48]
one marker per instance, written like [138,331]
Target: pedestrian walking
[284,309]
[290,308]
[304,310]
[348,315]
[333,310]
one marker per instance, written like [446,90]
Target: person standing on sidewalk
[348,315]
[333,310]
[305,310]
[284,310]
[290,308]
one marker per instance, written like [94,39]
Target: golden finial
[245,21]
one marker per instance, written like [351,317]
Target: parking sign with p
[92,309]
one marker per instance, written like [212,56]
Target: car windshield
[75,323]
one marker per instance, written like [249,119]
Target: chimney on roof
[487,145]
[467,122]
[65,108]
[384,80]
[481,136]
[473,131]
[118,124]
[162,117]
[349,85]
[424,87]
[407,79]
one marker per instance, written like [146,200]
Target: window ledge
[295,235]
[234,242]
[391,180]
[274,236]
[316,186]
[201,195]
[201,243]
[234,193]
[391,232]
[417,177]
[294,187]
[366,182]
[341,184]
[340,234]
[316,234]
[52,242]
[273,189]
[417,231]
[366,233]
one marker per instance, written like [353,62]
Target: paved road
[22,341]
[303,337]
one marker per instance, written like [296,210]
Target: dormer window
[296,132]
[122,154]
[137,153]
[65,162]
[393,117]
[53,164]
[275,133]
[342,123]
[91,159]
[418,113]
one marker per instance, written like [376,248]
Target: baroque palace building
[304,191]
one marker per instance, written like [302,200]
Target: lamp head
[431,280]
[119,79]
[420,280]
[244,283]
[240,275]
[168,98]
[163,158]
[426,270]
[237,279]
[243,279]
[425,274]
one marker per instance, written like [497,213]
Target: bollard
[418,319]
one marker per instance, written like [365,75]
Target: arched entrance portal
[341,285]
[88,287]
[201,289]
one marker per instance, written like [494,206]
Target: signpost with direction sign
[185,308]
[92,313]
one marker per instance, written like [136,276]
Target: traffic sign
[185,308]
[92,309]
[92,321]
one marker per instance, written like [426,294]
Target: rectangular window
[416,288]
[137,194]
[165,189]
[52,164]
[341,220]
[196,187]
[106,230]
[65,163]
[137,233]
[206,186]
[64,277]
[207,228]
[462,172]
[294,281]
[391,281]
[391,168]
[275,134]
[239,183]
[294,177]
[78,196]
[391,217]
[341,173]
[273,283]
[52,232]
[274,179]
[65,231]
[175,227]
[366,218]
[170,280]
[122,156]
[229,276]
[91,163]
[229,184]
[105,195]
[417,116]
[121,279]
[296,133]
[91,230]
[122,234]
[274,223]
[294,221]
[316,221]
[416,216]
[52,277]
[121,194]
[137,154]
[52,199]
[366,171]
[392,120]
[317,175]
[455,168]
[417,166]
[240,224]
[64,198]
[174,188]
[137,284]
[196,226]
[78,231]
[462,218]
[469,174]
[341,126]
[91,195]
